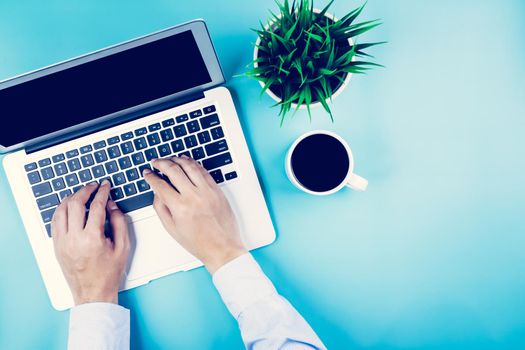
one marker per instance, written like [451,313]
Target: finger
[97,209]
[59,221]
[76,207]
[119,226]
[174,173]
[160,187]
[192,169]
[163,212]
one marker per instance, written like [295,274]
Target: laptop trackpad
[153,250]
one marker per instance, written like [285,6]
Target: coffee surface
[320,162]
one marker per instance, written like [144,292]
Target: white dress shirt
[266,319]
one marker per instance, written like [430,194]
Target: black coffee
[320,162]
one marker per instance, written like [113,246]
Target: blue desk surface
[430,257]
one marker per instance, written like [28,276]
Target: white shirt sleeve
[99,326]
[266,319]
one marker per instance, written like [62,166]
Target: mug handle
[357,182]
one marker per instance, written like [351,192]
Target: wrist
[216,261]
[95,297]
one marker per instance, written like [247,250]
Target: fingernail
[154,160]
[93,184]
[112,205]
[185,156]
[105,182]
[146,171]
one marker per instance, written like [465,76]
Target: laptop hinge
[112,122]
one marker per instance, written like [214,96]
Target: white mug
[351,180]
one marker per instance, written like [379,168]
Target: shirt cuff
[241,283]
[99,326]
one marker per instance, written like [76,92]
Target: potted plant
[304,57]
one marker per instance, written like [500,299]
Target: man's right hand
[195,211]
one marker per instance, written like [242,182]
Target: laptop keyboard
[121,159]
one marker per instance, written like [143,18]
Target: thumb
[119,226]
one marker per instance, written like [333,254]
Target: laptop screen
[101,87]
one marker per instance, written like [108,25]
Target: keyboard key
[151,154]
[72,180]
[144,166]
[119,179]
[47,215]
[197,153]
[111,167]
[44,162]
[137,158]
[47,202]
[180,130]
[77,188]
[113,140]
[58,184]
[33,177]
[195,114]
[132,174]
[142,200]
[190,141]
[168,122]
[209,121]
[72,153]
[87,160]
[41,189]
[114,152]
[30,166]
[217,161]
[124,162]
[130,189]
[86,149]
[60,169]
[216,147]
[98,171]
[181,118]
[217,133]
[127,147]
[153,139]
[154,127]
[166,135]
[140,143]
[100,144]
[231,175]
[73,164]
[64,194]
[164,150]
[185,153]
[204,137]
[217,176]
[48,230]
[47,173]
[116,193]
[143,185]
[193,126]
[58,158]
[127,135]
[141,131]
[209,109]
[85,175]
[177,146]
[100,156]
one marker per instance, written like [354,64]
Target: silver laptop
[106,115]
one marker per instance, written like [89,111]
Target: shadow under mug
[351,180]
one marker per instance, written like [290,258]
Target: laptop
[106,115]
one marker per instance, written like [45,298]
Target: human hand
[92,263]
[196,213]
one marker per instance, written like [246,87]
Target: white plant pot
[303,106]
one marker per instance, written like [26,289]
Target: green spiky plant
[304,56]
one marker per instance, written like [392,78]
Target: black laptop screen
[101,87]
